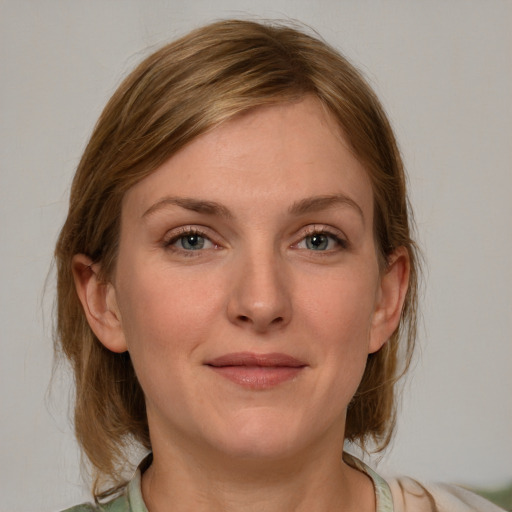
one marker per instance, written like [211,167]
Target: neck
[316,480]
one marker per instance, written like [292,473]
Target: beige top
[409,495]
[394,495]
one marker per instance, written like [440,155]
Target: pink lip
[257,371]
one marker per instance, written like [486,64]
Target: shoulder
[119,504]
[84,507]
[410,495]
[129,500]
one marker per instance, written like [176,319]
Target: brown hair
[176,94]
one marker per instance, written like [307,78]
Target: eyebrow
[302,207]
[195,205]
[318,203]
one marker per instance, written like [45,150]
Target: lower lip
[258,377]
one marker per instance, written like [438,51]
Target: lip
[257,371]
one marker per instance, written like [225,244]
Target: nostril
[260,323]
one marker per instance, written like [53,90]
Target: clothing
[409,495]
[394,495]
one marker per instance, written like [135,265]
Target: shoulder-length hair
[179,92]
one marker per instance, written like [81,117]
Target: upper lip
[274,359]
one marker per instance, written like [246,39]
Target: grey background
[443,70]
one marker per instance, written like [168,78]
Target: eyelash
[184,232]
[168,243]
[335,235]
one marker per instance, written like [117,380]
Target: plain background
[443,70]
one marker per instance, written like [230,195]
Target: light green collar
[383,495]
[382,491]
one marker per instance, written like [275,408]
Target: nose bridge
[260,295]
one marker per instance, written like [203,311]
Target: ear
[99,302]
[390,298]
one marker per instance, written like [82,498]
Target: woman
[237,282]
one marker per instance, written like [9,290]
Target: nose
[260,296]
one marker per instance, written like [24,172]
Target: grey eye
[192,242]
[317,242]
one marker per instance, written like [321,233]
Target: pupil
[318,242]
[192,242]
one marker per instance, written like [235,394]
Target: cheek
[164,311]
[164,323]
[340,305]
[339,313]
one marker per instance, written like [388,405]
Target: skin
[282,269]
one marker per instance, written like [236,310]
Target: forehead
[279,154]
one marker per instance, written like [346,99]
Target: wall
[444,73]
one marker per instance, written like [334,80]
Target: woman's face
[247,287]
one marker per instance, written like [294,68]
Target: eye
[190,240]
[318,242]
[322,241]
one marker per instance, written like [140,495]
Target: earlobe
[99,303]
[390,299]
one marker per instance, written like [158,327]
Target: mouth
[257,371]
